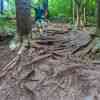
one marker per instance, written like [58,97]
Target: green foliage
[10,8]
[8,26]
[56,7]
[60,8]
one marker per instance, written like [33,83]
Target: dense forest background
[62,9]
[57,10]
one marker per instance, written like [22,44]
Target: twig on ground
[39,58]
[12,63]
[82,47]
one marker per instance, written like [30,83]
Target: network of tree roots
[53,68]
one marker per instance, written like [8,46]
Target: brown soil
[48,70]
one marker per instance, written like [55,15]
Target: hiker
[40,21]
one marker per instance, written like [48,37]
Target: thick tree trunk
[23,19]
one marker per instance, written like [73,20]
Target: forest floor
[51,69]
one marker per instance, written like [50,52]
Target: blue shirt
[39,11]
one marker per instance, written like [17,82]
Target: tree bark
[23,19]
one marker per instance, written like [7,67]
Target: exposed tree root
[87,50]
[82,47]
[42,77]
[38,59]
[58,84]
[12,63]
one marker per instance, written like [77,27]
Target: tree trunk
[23,19]
[78,17]
[78,4]
[73,11]
[84,15]
[80,12]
